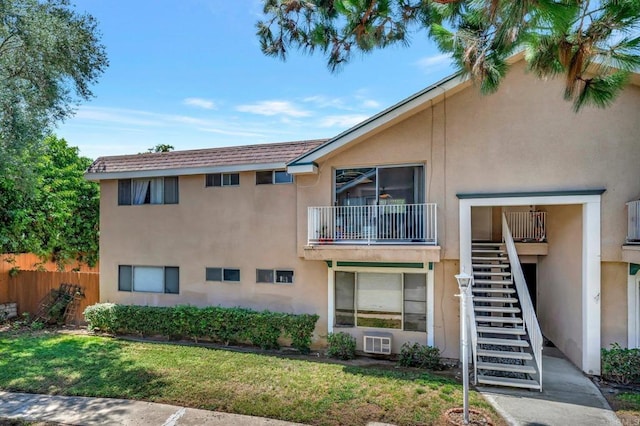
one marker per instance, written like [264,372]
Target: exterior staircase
[502,340]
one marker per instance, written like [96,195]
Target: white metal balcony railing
[528,226]
[376,224]
[633,222]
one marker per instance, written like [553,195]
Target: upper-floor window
[380,185]
[222,179]
[273,177]
[160,190]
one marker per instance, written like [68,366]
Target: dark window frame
[269,177]
[125,191]
[218,180]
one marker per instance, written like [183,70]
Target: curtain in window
[157,190]
[148,278]
[140,188]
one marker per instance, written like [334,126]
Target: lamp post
[464,283]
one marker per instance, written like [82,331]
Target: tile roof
[228,156]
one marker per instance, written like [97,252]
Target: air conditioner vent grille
[379,343]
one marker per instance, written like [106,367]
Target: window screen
[231,274]
[415,302]
[124,278]
[171,190]
[124,192]
[264,275]
[264,178]
[213,274]
[282,176]
[171,280]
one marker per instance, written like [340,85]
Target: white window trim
[430,296]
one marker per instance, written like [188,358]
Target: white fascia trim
[330,299]
[185,171]
[633,313]
[301,169]
[380,120]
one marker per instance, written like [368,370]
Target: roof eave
[184,171]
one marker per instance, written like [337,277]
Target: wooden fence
[28,288]
[29,262]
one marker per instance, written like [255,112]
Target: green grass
[223,380]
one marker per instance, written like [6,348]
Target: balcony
[390,224]
[528,227]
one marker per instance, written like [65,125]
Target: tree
[591,43]
[49,57]
[161,147]
[59,219]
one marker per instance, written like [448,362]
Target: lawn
[224,380]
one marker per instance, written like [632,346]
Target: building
[369,228]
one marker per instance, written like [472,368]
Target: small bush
[341,345]
[420,356]
[621,365]
[225,325]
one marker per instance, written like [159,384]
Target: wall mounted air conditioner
[377,343]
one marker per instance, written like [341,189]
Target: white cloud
[271,108]
[342,121]
[322,101]
[370,103]
[437,61]
[199,103]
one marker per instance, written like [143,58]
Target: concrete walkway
[105,411]
[568,398]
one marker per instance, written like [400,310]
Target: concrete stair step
[492,273]
[504,320]
[505,354]
[500,259]
[502,330]
[493,290]
[498,309]
[511,368]
[495,299]
[483,281]
[507,381]
[490,265]
[503,342]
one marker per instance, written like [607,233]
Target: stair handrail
[528,313]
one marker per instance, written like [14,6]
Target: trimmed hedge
[225,325]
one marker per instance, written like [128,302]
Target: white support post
[430,307]
[330,299]
[591,295]
[633,304]
[465,236]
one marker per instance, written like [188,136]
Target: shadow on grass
[58,364]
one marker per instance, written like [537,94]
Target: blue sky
[190,73]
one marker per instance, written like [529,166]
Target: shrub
[341,345]
[621,365]
[225,325]
[420,356]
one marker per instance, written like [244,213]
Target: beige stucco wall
[559,307]
[614,303]
[248,226]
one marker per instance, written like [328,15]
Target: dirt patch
[628,413]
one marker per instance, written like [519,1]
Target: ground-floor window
[381,300]
[149,279]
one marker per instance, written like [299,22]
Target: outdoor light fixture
[464,283]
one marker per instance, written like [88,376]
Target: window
[381,300]
[161,190]
[273,177]
[284,276]
[222,274]
[222,179]
[149,279]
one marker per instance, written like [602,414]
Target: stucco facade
[522,143]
